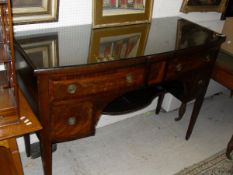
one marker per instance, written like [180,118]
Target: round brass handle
[72,121]
[129,78]
[207,58]
[1,118]
[72,88]
[200,82]
[179,67]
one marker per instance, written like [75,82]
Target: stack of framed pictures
[121,12]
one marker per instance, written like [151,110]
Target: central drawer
[71,120]
[84,85]
[182,64]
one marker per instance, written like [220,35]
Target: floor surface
[147,144]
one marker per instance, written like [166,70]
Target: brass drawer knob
[72,121]
[207,58]
[72,88]
[200,82]
[1,118]
[179,67]
[129,78]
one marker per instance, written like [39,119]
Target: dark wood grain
[69,100]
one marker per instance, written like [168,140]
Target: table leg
[182,110]
[46,154]
[27,144]
[159,104]
[229,148]
[195,112]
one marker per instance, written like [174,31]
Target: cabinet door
[10,163]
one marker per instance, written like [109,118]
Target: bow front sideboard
[71,74]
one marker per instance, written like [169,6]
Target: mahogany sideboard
[70,75]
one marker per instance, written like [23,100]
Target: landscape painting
[121,7]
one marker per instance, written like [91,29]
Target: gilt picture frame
[34,11]
[43,51]
[203,6]
[184,39]
[107,13]
[111,44]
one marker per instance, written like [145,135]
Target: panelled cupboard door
[227,46]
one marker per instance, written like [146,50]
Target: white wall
[77,12]
[73,12]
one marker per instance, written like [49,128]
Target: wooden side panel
[227,46]
[10,163]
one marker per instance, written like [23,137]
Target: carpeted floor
[215,165]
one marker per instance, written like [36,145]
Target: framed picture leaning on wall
[115,43]
[203,6]
[121,12]
[34,11]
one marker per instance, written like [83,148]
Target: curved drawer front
[71,120]
[96,83]
[183,64]
[157,71]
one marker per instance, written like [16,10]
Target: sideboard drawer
[96,83]
[71,120]
[157,71]
[180,65]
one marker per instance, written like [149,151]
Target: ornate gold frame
[47,12]
[186,8]
[98,34]
[105,21]
[47,46]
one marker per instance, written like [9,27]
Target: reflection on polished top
[80,45]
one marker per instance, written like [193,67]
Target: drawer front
[71,121]
[180,65]
[156,74]
[97,83]
[8,117]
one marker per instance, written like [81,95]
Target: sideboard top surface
[82,45]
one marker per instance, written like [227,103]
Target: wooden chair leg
[27,145]
[229,148]
[182,110]
[160,102]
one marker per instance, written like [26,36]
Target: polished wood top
[28,122]
[81,45]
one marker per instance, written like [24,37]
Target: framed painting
[189,35]
[121,12]
[43,51]
[110,44]
[229,11]
[34,11]
[203,6]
